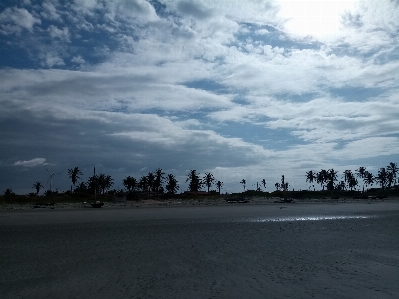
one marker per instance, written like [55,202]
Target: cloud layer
[227,87]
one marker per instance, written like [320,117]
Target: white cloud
[62,34]
[50,11]
[31,163]
[78,59]
[14,20]
[51,59]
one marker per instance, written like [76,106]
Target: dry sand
[320,250]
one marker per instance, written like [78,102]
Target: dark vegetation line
[157,183]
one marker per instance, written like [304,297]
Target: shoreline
[152,203]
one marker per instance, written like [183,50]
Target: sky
[242,89]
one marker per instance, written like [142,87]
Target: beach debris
[97,204]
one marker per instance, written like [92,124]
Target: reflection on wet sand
[302,218]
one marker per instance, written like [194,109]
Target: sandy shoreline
[185,202]
[321,250]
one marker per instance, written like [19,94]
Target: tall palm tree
[311,177]
[244,183]
[130,183]
[368,179]
[143,183]
[283,185]
[219,185]
[105,182]
[150,182]
[208,180]
[321,177]
[331,179]
[74,174]
[264,183]
[37,186]
[392,169]
[195,183]
[171,184]
[382,177]
[158,180]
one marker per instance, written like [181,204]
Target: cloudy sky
[242,89]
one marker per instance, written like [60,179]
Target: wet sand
[320,250]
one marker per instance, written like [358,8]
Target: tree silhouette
[100,183]
[105,182]
[219,185]
[283,185]
[331,179]
[382,177]
[392,170]
[194,180]
[368,178]
[74,174]
[158,181]
[92,184]
[311,177]
[81,188]
[150,182]
[208,180]
[322,177]
[350,179]
[143,183]
[264,183]
[37,186]
[361,172]
[171,184]
[244,183]
[130,183]
[8,192]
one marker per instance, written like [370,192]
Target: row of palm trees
[159,183]
[153,182]
[328,179]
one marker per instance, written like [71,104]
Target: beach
[305,250]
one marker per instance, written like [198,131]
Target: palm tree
[321,177]
[368,178]
[277,185]
[102,182]
[92,184]
[143,183]
[81,188]
[392,169]
[311,177]
[283,185]
[171,184]
[382,177]
[150,182]
[361,172]
[37,186]
[264,183]
[331,178]
[350,179]
[208,180]
[130,183]
[158,181]
[74,175]
[219,185]
[243,182]
[195,183]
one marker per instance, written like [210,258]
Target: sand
[320,250]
